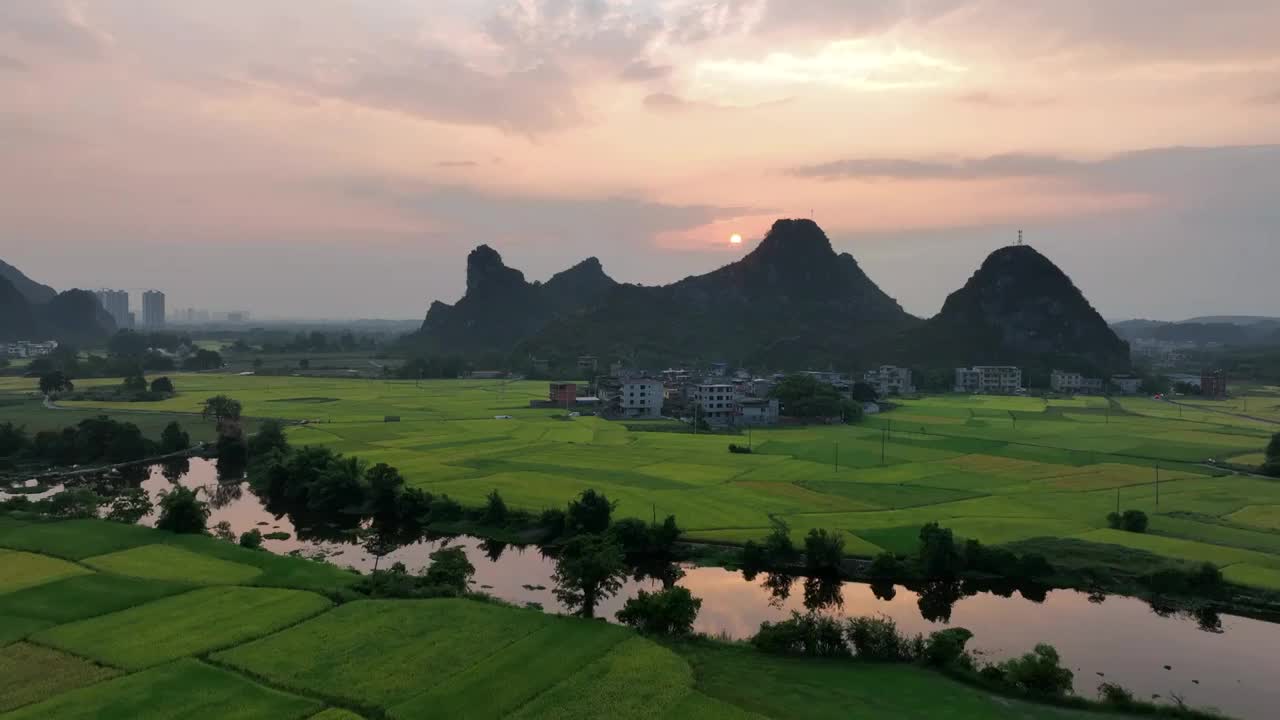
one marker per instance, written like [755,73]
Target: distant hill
[792,301]
[1019,309]
[74,316]
[34,292]
[1232,330]
[500,307]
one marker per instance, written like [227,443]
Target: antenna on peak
[1019,236]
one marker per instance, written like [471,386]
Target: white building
[116,303]
[1131,385]
[716,403]
[890,380]
[29,349]
[153,309]
[1073,382]
[641,398]
[757,411]
[989,380]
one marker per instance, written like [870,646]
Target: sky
[339,158]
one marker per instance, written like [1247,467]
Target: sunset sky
[339,158]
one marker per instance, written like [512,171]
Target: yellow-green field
[999,469]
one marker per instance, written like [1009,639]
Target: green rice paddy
[998,469]
[102,645]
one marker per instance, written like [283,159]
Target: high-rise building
[153,309]
[116,303]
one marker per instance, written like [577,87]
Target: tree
[669,612]
[779,550]
[590,568]
[221,408]
[203,360]
[589,513]
[864,393]
[223,531]
[251,539]
[233,454]
[803,396]
[811,635]
[450,569]
[1272,465]
[13,439]
[1134,521]
[379,542]
[878,638]
[162,385]
[134,385]
[495,509]
[1038,672]
[270,436]
[174,439]
[304,364]
[386,486]
[182,511]
[938,556]
[130,506]
[75,503]
[52,383]
[823,551]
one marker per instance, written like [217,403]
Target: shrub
[173,438]
[130,506]
[223,531]
[495,509]
[739,449]
[877,638]
[810,635]
[885,566]
[779,550]
[162,385]
[251,539]
[276,536]
[589,513]
[553,521]
[1130,521]
[938,555]
[823,551]
[450,569]
[1115,695]
[1032,566]
[182,512]
[75,503]
[669,612]
[753,557]
[1205,579]
[945,649]
[1038,672]
[445,509]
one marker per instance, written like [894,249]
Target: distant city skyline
[316,158]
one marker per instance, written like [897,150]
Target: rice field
[109,646]
[998,469]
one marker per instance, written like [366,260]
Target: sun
[735,239]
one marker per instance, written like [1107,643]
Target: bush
[1038,672]
[1116,696]
[753,557]
[495,509]
[251,539]
[945,649]
[445,509]
[553,521]
[130,506]
[182,512]
[450,569]
[1130,521]
[589,513]
[938,555]
[174,439]
[739,449]
[1205,579]
[669,612]
[886,566]
[75,503]
[877,638]
[810,635]
[162,385]
[823,551]
[779,550]
[223,531]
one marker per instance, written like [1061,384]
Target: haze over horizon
[336,158]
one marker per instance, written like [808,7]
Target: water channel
[1225,662]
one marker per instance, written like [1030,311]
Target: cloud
[848,64]
[457,164]
[13,64]
[52,25]
[995,166]
[643,71]
[989,99]
[1272,98]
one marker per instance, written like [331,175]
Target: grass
[23,570]
[14,628]
[997,469]
[30,673]
[165,562]
[798,688]
[74,539]
[84,596]
[182,690]
[187,624]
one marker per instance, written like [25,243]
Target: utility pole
[1157,484]
[837,456]
[882,441]
[1117,500]
[748,437]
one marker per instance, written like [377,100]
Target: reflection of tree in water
[937,599]
[174,468]
[665,572]
[1208,620]
[1097,597]
[493,549]
[779,587]
[223,494]
[1162,609]
[823,592]
[1035,593]
[884,590]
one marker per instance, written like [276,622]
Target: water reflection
[1122,639]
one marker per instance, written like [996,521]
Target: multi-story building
[116,303]
[989,380]
[890,380]
[1073,382]
[1126,384]
[29,349]
[642,398]
[563,394]
[588,363]
[715,402]
[1213,383]
[153,309]
[757,411]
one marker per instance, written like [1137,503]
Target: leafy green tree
[203,360]
[174,439]
[134,385]
[450,569]
[669,612]
[385,488]
[130,506]
[232,453]
[379,541]
[945,648]
[811,635]
[878,638]
[75,503]
[589,569]
[221,408]
[938,555]
[495,509]
[589,513]
[52,383]
[864,393]
[13,440]
[182,511]
[823,551]
[162,385]
[1272,465]
[804,396]
[251,539]
[223,531]
[1134,521]
[270,436]
[779,550]
[1038,672]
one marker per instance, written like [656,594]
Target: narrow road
[1222,412]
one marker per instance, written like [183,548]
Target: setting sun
[735,239]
